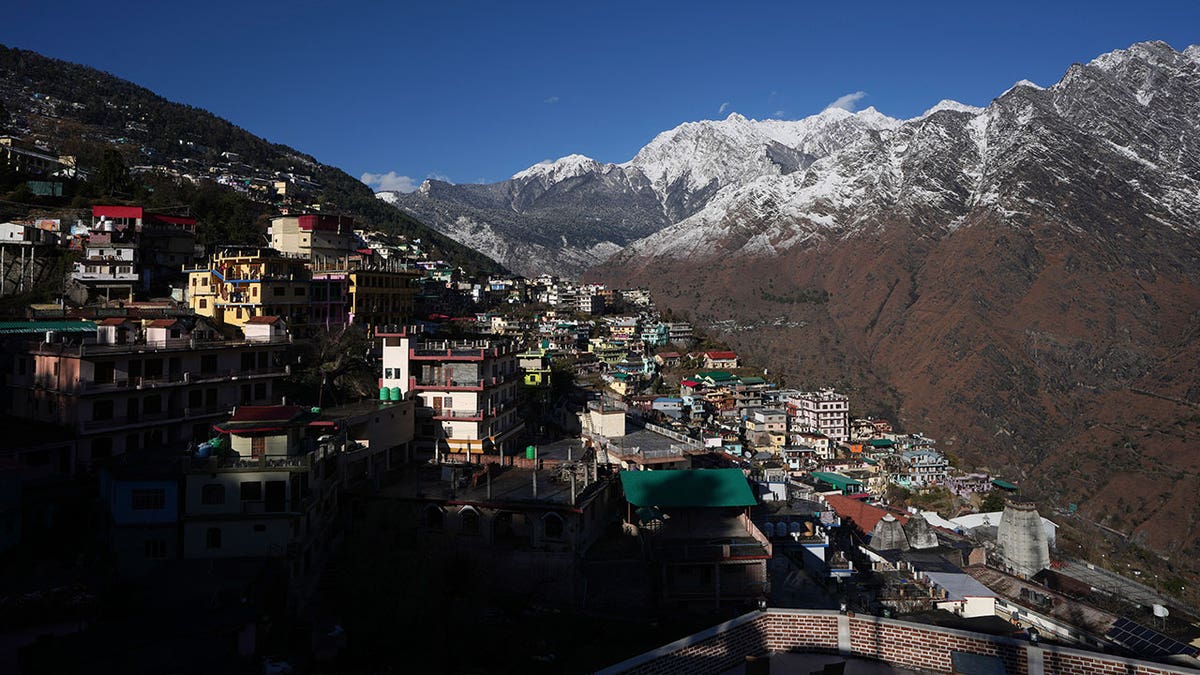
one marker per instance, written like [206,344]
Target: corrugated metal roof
[34,327]
[835,479]
[688,488]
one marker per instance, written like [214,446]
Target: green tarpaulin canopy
[699,488]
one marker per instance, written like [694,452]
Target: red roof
[669,355]
[117,211]
[864,515]
[115,321]
[174,220]
[262,319]
[266,413]
[162,323]
[721,355]
[689,383]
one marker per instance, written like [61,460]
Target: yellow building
[382,297]
[239,284]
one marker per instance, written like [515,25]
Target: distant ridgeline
[82,112]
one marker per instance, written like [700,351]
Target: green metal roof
[33,327]
[1003,484]
[837,480]
[695,488]
[882,443]
[753,380]
[715,375]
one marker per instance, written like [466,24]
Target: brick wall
[909,645]
[716,650]
[928,647]
[813,631]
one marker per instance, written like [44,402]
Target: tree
[992,501]
[112,176]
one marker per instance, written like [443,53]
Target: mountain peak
[559,169]
[735,117]
[955,106]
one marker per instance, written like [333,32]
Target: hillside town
[231,427]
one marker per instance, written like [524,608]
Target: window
[148,499]
[553,526]
[152,405]
[434,517]
[251,490]
[203,303]
[212,494]
[470,520]
[102,448]
[260,391]
[102,410]
[156,548]
[212,538]
[299,290]
[278,290]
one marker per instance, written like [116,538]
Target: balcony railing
[712,550]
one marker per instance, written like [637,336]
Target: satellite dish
[1161,612]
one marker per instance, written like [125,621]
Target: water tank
[530,452]
[204,450]
[394,394]
[384,394]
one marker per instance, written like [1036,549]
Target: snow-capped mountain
[762,186]
[572,213]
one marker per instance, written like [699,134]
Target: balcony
[100,277]
[432,384]
[462,415]
[142,419]
[461,350]
[670,550]
[142,347]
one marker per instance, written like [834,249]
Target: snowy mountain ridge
[764,186]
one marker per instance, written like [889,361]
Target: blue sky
[476,91]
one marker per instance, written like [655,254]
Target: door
[276,496]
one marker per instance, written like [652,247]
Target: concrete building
[699,536]
[317,237]
[238,284]
[134,385]
[826,412]
[466,390]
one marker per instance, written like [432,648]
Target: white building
[825,412]
[466,390]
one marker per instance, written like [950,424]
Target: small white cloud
[723,108]
[391,180]
[437,175]
[551,99]
[778,113]
[848,101]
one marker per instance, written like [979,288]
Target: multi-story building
[163,243]
[108,269]
[133,386]
[921,468]
[466,390]
[382,297]
[238,284]
[317,237]
[826,412]
[28,158]
[698,534]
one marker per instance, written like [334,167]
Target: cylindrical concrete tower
[1021,538]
